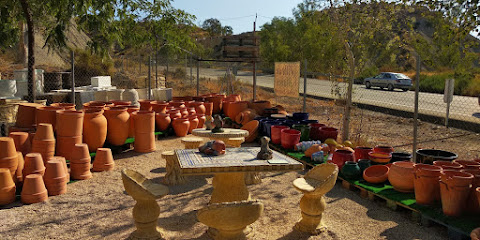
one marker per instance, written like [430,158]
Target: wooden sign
[287,75]
[244,47]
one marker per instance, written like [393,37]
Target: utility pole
[254,62]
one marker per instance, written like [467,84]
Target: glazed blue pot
[267,127]
[299,116]
[351,170]
[308,121]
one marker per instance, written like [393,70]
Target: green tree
[214,28]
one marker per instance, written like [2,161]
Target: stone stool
[316,183]
[192,142]
[230,220]
[173,176]
[146,210]
[234,142]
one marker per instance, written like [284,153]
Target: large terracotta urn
[117,125]
[163,121]
[193,123]
[131,109]
[199,107]
[69,123]
[217,103]
[401,176]
[47,114]
[181,126]
[159,106]
[94,129]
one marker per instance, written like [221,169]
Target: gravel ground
[99,208]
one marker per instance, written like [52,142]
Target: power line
[233,18]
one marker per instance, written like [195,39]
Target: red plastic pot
[426,183]
[315,130]
[341,156]
[328,132]
[289,138]
[361,152]
[276,133]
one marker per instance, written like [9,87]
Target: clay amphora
[426,183]
[47,114]
[94,129]
[120,102]
[181,126]
[199,107]
[208,108]
[69,123]
[177,104]
[175,114]
[201,120]
[162,121]
[191,111]
[145,104]
[193,123]
[33,164]
[7,187]
[159,106]
[454,190]
[401,176]
[26,114]
[22,143]
[117,125]
[34,189]
[103,160]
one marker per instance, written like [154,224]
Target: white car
[389,80]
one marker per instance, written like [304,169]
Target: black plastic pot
[428,156]
[401,156]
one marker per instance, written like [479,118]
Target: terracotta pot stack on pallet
[69,131]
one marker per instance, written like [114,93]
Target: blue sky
[239,14]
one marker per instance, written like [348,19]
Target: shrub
[89,65]
[464,83]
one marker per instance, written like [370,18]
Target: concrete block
[101,81]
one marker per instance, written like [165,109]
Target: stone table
[229,169]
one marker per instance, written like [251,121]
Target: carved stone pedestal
[192,142]
[229,187]
[312,207]
[173,176]
[253,178]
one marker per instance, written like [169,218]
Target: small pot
[426,183]
[340,157]
[290,137]
[363,164]
[401,156]
[146,104]
[34,189]
[159,106]
[328,132]
[376,174]
[351,170]
[7,187]
[33,164]
[304,129]
[379,157]
[401,176]
[362,152]
[454,190]
[163,121]
[276,133]
[201,120]
[193,123]
[299,116]
[181,126]
[447,165]
[428,156]
[103,160]
[21,142]
[468,164]
[252,128]
[315,130]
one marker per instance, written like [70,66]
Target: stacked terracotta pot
[44,141]
[80,162]
[117,125]
[18,178]
[144,131]
[8,155]
[7,187]
[94,129]
[131,109]
[33,165]
[69,131]
[47,114]
[103,160]
[56,177]
[66,106]
[26,115]
[34,189]
[22,141]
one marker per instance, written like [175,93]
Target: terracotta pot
[401,176]
[80,153]
[163,121]
[159,106]
[217,103]
[80,162]
[468,164]
[34,189]
[175,114]
[259,106]
[120,103]
[289,137]
[328,132]
[184,112]
[64,163]
[193,123]
[208,108]
[362,152]
[145,104]
[315,130]
[276,133]
[181,126]
[55,178]
[426,183]
[144,122]
[199,107]
[177,104]
[379,157]
[66,144]
[446,165]
[225,106]
[472,201]
[198,98]
[26,114]
[8,154]
[47,114]
[376,174]
[341,156]
[66,106]
[18,172]
[94,129]
[7,187]
[45,147]
[70,123]
[182,98]
[131,109]
[144,142]
[201,120]
[383,149]
[236,108]
[454,190]
[22,143]
[44,132]
[234,97]
[252,128]
[103,160]
[95,105]
[33,164]
[245,116]
[117,125]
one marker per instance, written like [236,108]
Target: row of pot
[452,183]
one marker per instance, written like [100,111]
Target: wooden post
[348,106]
[305,88]
[73,76]
[415,112]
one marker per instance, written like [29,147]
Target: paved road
[462,108]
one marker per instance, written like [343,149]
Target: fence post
[198,77]
[254,80]
[415,112]
[305,87]
[191,69]
[156,67]
[348,104]
[149,76]
[72,75]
